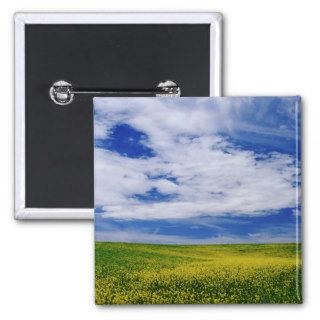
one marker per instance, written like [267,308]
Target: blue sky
[197,170]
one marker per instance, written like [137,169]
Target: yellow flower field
[128,273]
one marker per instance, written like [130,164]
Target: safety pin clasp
[63,92]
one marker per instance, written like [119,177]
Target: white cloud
[132,236]
[213,176]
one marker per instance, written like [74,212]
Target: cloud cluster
[196,167]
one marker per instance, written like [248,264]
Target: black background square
[59,139]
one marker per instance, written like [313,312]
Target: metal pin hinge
[63,93]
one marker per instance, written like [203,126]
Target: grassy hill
[129,273]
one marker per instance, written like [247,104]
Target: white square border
[21,19]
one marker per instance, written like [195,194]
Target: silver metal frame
[21,19]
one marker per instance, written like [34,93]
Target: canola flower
[197,274]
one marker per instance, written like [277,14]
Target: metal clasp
[63,92]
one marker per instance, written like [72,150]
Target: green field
[241,273]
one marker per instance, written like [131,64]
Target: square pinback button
[53,142]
